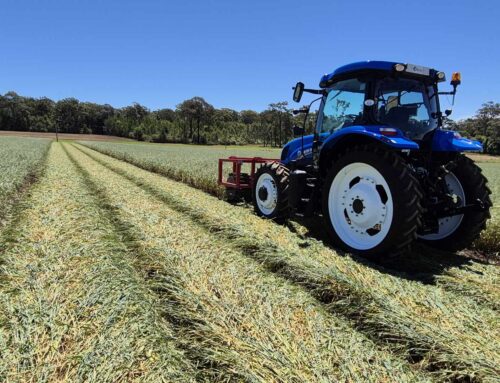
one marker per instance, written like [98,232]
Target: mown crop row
[72,305]
[197,166]
[438,329]
[20,161]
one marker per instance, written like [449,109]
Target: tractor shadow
[422,264]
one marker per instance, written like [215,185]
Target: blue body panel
[449,141]
[360,65]
[398,142]
[293,149]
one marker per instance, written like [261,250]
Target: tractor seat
[398,117]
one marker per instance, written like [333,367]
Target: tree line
[193,121]
[483,126]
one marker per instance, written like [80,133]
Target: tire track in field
[448,335]
[272,329]
[73,309]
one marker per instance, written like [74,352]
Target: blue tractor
[380,168]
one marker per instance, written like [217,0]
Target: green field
[113,272]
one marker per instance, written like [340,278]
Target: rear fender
[361,135]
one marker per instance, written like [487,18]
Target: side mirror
[298,90]
[447,112]
[298,131]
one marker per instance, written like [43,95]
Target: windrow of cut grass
[448,333]
[232,311]
[72,306]
[478,281]
[197,166]
[21,159]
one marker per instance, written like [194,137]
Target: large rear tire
[371,202]
[270,191]
[459,232]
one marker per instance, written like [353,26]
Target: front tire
[270,191]
[459,232]
[371,202]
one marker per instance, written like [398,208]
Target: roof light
[388,131]
[441,76]
[456,78]
[399,67]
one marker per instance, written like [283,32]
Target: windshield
[406,104]
[343,105]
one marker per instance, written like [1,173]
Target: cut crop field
[197,166]
[194,165]
[112,272]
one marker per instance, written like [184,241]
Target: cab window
[406,104]
[343,105]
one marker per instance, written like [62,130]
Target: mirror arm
[316,91]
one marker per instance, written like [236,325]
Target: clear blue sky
[236,54]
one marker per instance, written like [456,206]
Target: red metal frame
[237,163]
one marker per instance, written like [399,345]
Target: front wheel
[371,202]
[270,191]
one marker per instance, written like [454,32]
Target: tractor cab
[378,99]
[384,94]
[378,168]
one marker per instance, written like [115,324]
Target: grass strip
[269,328]
[73,308]
[448,333]
[21,163]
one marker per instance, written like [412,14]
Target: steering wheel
[349,120]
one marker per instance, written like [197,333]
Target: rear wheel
[371,202]
[459,231]
[270,191]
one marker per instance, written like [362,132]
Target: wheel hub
[360,206]
[266,194]
[263,193]
[365,208]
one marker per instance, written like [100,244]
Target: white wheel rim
[448,225]
[365,229]
[267,205]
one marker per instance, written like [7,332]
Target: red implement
[237,164]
